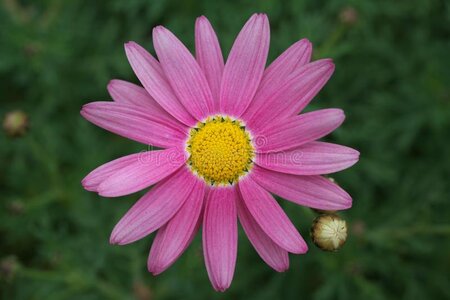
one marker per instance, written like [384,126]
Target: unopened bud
[358,228]
[141,291]
[8,267]
[329,232]
[348,16]
[15,123]
[16,207]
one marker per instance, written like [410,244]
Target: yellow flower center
[220,150]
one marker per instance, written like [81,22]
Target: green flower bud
[15,123]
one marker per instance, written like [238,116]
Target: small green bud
[15,123]
[348,16]
[8,267]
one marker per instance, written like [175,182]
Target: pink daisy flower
[232,135]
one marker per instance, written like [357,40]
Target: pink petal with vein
[271,217]
[183,73]
[311,191]
[275,256]
[245,66]
[129,93]
[152,77]
[147,168]
[136,123]
[313,158]
[155,208]
[298,89]
[220,236]
[209,57]
[298,130]
[278,72]
[174,237]
[100,174]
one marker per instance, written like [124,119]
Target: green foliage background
[392,79]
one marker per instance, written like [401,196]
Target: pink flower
[232,137]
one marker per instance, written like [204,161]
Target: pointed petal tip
[355,155]
[264,18]
[305,41]
[329,67]
[155,273]
[258,16]
[221,288]
[347,204]
[338,113]
[201,19]
[153,269]
[111,84]
[130,44]
[261,15]
[85,184]
[302,248]
[83,111]
[325,67]
[116,239]
[112,239]
[281,268]
[159,29]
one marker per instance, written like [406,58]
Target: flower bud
[329,232]
[141,291]
[348,16]
[8,268]
[16,207]
[15,123]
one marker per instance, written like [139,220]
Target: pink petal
[278,72]
[220,236]
[152,77]
[100,174]
[271,217]
[298,130]
[271,253]
[174,237]
[311,191]
[288,99]
[245,66]
[155,208]
[183,73]
[129,93]
[209,56]
[313,158]
[146,169]
[136,123]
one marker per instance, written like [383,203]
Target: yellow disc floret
[220,150]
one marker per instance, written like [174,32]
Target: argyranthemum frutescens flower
[232,135]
